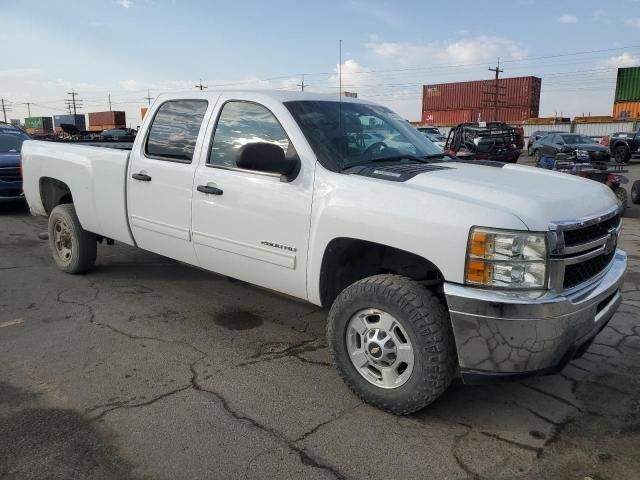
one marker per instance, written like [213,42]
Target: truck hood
[534,195]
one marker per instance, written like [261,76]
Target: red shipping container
[108,118]
[514,114]
[513,92]
[446,117]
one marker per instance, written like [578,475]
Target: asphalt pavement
[146,368]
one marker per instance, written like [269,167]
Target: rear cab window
[174,130]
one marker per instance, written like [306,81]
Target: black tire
[424,318]
[622,154]
[83,246]
[529,151]
[635,192]
[536,157]
[621,195]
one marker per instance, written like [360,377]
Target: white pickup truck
[432,266]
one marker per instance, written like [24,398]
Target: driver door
[252,225]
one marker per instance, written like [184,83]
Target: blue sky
[390,48]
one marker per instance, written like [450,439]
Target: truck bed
[96,176]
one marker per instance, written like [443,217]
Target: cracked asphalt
[149,369]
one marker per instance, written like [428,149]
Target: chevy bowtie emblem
[375,350]
[612,241]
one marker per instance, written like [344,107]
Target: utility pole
[28,104]
[497,91]
[74,102]
[201,86]
[5,107]
[148,97]
[109,102]
[302,84]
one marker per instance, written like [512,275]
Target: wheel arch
[346,260]
[54,192]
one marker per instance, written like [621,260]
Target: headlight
[504,259]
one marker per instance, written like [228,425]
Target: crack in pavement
[554,396]
[305,456]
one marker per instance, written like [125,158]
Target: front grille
[10,174]
[592,232]
[581,272]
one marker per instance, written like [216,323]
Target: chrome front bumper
[513,334]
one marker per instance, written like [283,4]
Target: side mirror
[268,158]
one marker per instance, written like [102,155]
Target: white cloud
[601,16]
[567,19]
[126,3]
[130,85]
[625,59]
[352,80]
[633,22]
[466,51]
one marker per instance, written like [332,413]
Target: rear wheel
[74,249]
[536,157]
[622,154]
[392,343]
[635,192]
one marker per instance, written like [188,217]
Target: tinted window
[241,123]
[175,128]
[11,140]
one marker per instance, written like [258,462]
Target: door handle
[209,190]
[143,177]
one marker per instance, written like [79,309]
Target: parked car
[534,137]
[431,266]
[625,146]
[11,139]
[554,143]
[119,134]
[430,131]
[495,141]
[434,135]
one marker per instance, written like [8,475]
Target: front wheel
[392,343]
[74,249]
[635,192]
[536,157]
[622,154]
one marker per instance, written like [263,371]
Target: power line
[75,102]
[5,108]
[28,104]
[201,86]
[302,84]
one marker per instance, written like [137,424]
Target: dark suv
[11,139]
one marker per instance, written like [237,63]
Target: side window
[175,129]
[241,123]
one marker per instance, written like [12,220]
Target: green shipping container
[44,123]
[628,85]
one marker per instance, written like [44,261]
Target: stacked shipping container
[453,103]
[76,120]
[38,125]
[627,100]
[99,121]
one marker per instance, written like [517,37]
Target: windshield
[11,140]
[576,139]
[348,134]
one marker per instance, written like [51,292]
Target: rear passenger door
[160,178]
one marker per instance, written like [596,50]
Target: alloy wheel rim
[62,240]
[379,348]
